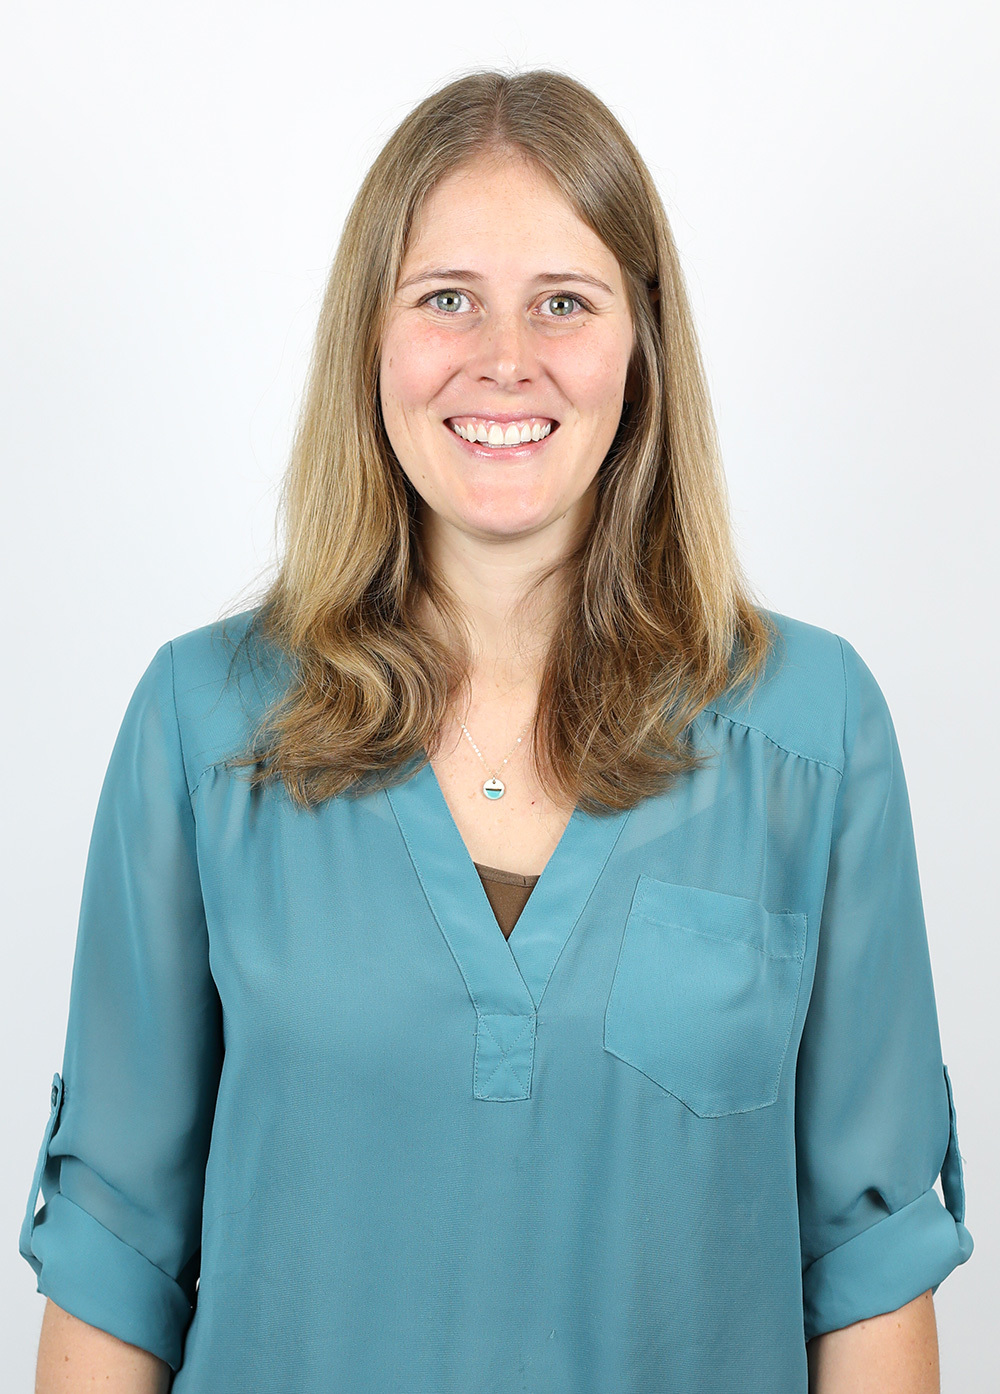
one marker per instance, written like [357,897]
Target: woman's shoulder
[801,697]
[224,676]
[205,652]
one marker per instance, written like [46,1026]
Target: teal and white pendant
[493,788]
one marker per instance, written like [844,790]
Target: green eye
[452,295]
[565,299]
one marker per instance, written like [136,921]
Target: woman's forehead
[530,231]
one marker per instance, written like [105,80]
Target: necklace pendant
[494,788]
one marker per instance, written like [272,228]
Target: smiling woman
[618,1073]
[538,591]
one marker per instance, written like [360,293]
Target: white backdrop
[174,180]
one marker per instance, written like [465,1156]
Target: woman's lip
[522,451]
[504,417]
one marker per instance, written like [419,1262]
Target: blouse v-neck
[506,977]
[507,892]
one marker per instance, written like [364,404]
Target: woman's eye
[452,295]
[564,300]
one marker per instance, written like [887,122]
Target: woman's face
[508,309]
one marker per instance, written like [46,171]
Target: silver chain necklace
[494,788]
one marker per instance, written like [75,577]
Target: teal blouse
[320,1125]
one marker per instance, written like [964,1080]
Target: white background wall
[174,180]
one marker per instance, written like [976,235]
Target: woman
[501,962]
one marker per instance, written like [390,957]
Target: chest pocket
[704,995]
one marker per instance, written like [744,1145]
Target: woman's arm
[74,1357]
[895,1353]
[124,1152]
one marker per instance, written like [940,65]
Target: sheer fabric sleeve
[122,1161]
[875,1114]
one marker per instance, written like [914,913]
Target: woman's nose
[503,349]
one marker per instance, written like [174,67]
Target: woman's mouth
[486,438]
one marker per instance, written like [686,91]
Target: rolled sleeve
[875,1112]
[122,1161]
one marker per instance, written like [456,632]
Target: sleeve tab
[952,1182]
[55,1108]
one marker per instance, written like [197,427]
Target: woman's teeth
[514,433]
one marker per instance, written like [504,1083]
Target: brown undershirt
[507,892]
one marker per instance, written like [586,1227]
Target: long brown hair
[658,618]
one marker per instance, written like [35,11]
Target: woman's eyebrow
[441,273]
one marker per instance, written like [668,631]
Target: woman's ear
[631,391]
